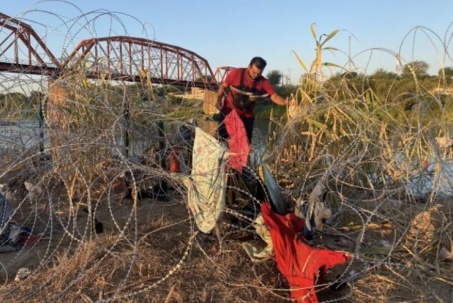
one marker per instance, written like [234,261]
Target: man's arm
[220,95]
[277,99]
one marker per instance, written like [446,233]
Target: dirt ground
[151,251]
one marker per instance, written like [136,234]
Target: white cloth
[260,254]
[206,183]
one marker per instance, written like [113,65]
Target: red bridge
[111,58]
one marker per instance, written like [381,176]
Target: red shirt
[262,86]
[296,260]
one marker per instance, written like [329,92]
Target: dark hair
[258,62]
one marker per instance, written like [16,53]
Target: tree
[419,68]
[383,74]
[274,77]
[447,71]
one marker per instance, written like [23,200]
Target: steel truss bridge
[111,58]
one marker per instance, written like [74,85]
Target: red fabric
[174,161]
[28,240]
[296,260]
[238,141]
[234,79]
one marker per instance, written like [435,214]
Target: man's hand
[221,96]
[291,102]
[219,103]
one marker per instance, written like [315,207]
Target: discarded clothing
[206,183]
[279,202]
[6,230]
[435,178]
[313,211]
[238,142]
[296,260]
[6,212]
[12,235]
[260,254]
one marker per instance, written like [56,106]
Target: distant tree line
[387,87]
[18,106]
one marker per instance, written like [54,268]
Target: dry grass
[151,251]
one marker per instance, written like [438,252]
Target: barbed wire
[81,177]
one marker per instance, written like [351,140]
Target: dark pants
[248,124]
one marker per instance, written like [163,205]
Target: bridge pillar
[58,131]
[78,148]
[56,96]
[210,99]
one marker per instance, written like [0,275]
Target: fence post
[163,163]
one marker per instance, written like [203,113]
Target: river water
[20,136]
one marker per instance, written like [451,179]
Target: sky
[231,32]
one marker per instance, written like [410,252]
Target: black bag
[242,101]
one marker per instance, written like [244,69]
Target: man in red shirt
[248,80]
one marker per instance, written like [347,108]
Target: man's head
[256,67]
